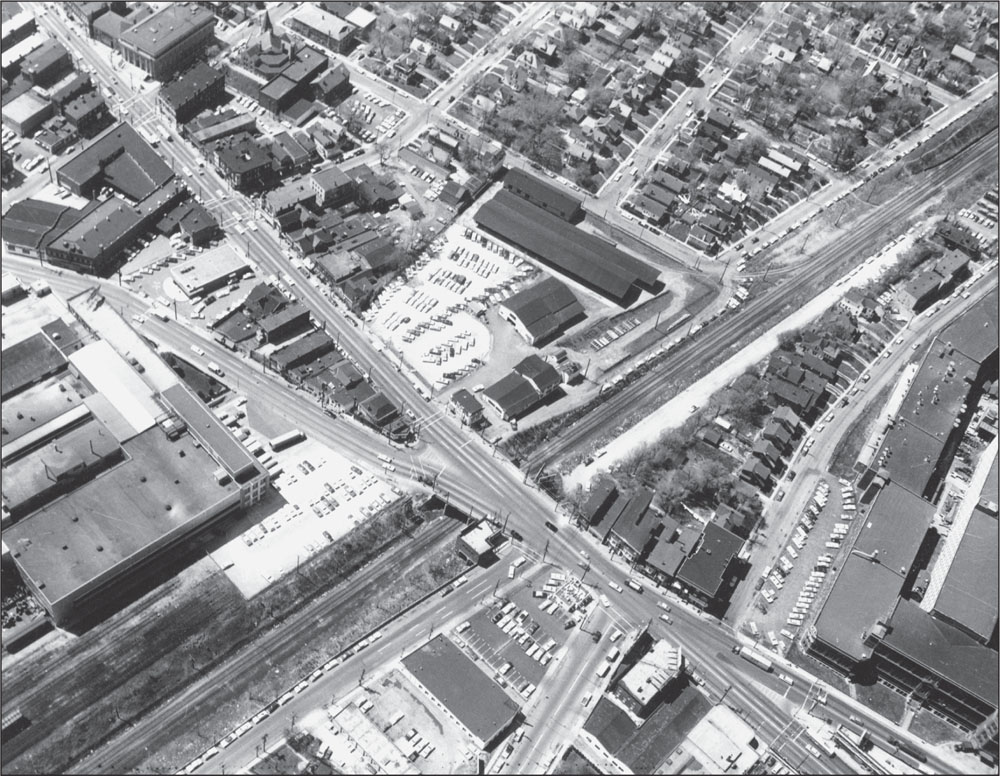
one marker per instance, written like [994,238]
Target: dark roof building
[334,86]
[603,492]
[511,396]
[672,547]
[302,351]
[954,673]
[70,87]
[542,375]
[285,324]
[29,225]
[87,113]
[634,531]
[956,236]
[196,89]
[46,64]
[120,159]
[472,698]
[707,575]
[542,311]
[244,162]
[378,410]
[28,362]
[582,256]
[542,194]
[467,407]
[95,242]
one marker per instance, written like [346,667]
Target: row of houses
[800,380]
[700,561]
[774,443]
[279,333]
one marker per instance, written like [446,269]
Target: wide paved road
[472,477]
[706,641]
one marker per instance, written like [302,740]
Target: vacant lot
[575,763]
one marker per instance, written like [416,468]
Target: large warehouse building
[581,256]
[915,606]
[116,469]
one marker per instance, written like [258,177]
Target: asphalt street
[470,475]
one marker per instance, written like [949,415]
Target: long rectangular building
[474,700]
[543,194]
[587,259]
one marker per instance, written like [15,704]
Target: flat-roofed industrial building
[462,690]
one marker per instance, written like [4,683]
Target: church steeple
[268,40]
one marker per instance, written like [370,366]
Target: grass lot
[282,760]
[846,453]
[83,690]
[882,700]
[575,763]
[933,729]
[944,145]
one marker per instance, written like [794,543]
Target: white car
[616,587]
[197,351]
[786,679]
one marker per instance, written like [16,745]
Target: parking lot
[147,273]
[433,318]
[797,581]
[527,629]
[368,117]
[323,496]
[390,722]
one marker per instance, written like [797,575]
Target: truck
[213,367]
[754,657]
[287,439]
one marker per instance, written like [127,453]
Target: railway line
[716,341]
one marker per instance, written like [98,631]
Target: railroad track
[650,388]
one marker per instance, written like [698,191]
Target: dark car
[551,526]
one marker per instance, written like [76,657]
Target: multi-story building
[87,113]
[244,163]
[46,64]
[169,40]
[194,90]
[324,28]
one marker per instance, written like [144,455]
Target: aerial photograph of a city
[456,387]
